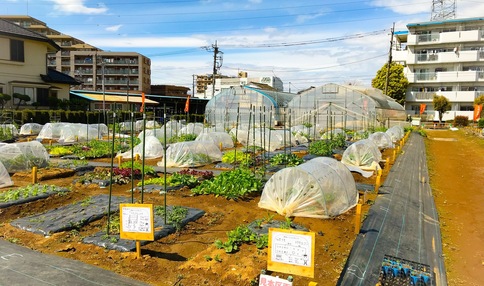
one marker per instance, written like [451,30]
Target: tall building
[97,69]
[205,88]
[442,58]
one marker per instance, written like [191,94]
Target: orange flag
[422,108]
[142,108]
[187,104]
[477,111]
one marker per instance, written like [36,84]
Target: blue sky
[305,43]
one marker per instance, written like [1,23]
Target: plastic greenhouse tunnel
[321,188]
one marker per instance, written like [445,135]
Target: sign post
[137,223]
[291,248]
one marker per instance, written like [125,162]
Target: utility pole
[217,63]
[389,59]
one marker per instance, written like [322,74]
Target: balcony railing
[427,57]
[428,38]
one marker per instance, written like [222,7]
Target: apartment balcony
[445,37]
[450,76]
[452,96]
[447,57]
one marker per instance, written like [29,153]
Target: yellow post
[220,146]
[358,219]
[138,249]
[387,164]
[34,175]
[28,139]
[120,159]
[136,157]
[313,283]
[50,142]
[394,155]
[378,180]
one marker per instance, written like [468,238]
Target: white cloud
[405,6]
[114,28]
[77,7]
[146,42]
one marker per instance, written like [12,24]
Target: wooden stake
[358,219]
[120,159]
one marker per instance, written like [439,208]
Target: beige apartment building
[97,69]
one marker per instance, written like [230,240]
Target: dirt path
[456,168]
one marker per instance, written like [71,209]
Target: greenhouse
[248,105]
[321,188]
[344,106]
[265,138]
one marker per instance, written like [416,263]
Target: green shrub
[480,123]
[321,148]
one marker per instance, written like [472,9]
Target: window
[43,96]
[16,50]
[24,90]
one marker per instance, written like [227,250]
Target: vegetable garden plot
[382,140]
[27,194]
[218,138]
[363,154]
[152,149]
[70,216]
[30,129]
[23,156]
[161,230]
[191,154]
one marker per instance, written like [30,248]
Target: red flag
[187,104]
[142,108]
[477,111]
[422,108]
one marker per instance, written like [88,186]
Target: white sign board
[136,221]
[267,280]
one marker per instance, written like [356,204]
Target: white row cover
[321,188]
[396,133]
[269,140]
[5,180]
[191,128]
[191,154]
[158,133]
[30,129]
[153,149]
[363,154]
[382,140]
[56,130]
[23,156]
[217,138]
[10,127]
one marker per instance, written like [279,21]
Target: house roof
[13,30]
[55,76]
[107,97]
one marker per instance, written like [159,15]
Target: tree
[441,104]
[21,97]
[479,100]
[4,98]
[397,82]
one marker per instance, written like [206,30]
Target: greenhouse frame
[344,106]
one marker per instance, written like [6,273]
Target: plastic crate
[401,272]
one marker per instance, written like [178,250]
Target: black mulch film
[50,191]
[161,230]
[71,216]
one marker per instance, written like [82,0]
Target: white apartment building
[442,58]
[205,88]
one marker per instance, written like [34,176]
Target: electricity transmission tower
[443,10]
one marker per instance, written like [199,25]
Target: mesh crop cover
[218,138]
[321,188]
[5,180]
[191,154]
[363,154]
[153,149]
[396,133]
[23,156]
[30,129]
[382,140]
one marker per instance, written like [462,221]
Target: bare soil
[188,257]
[456,168]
